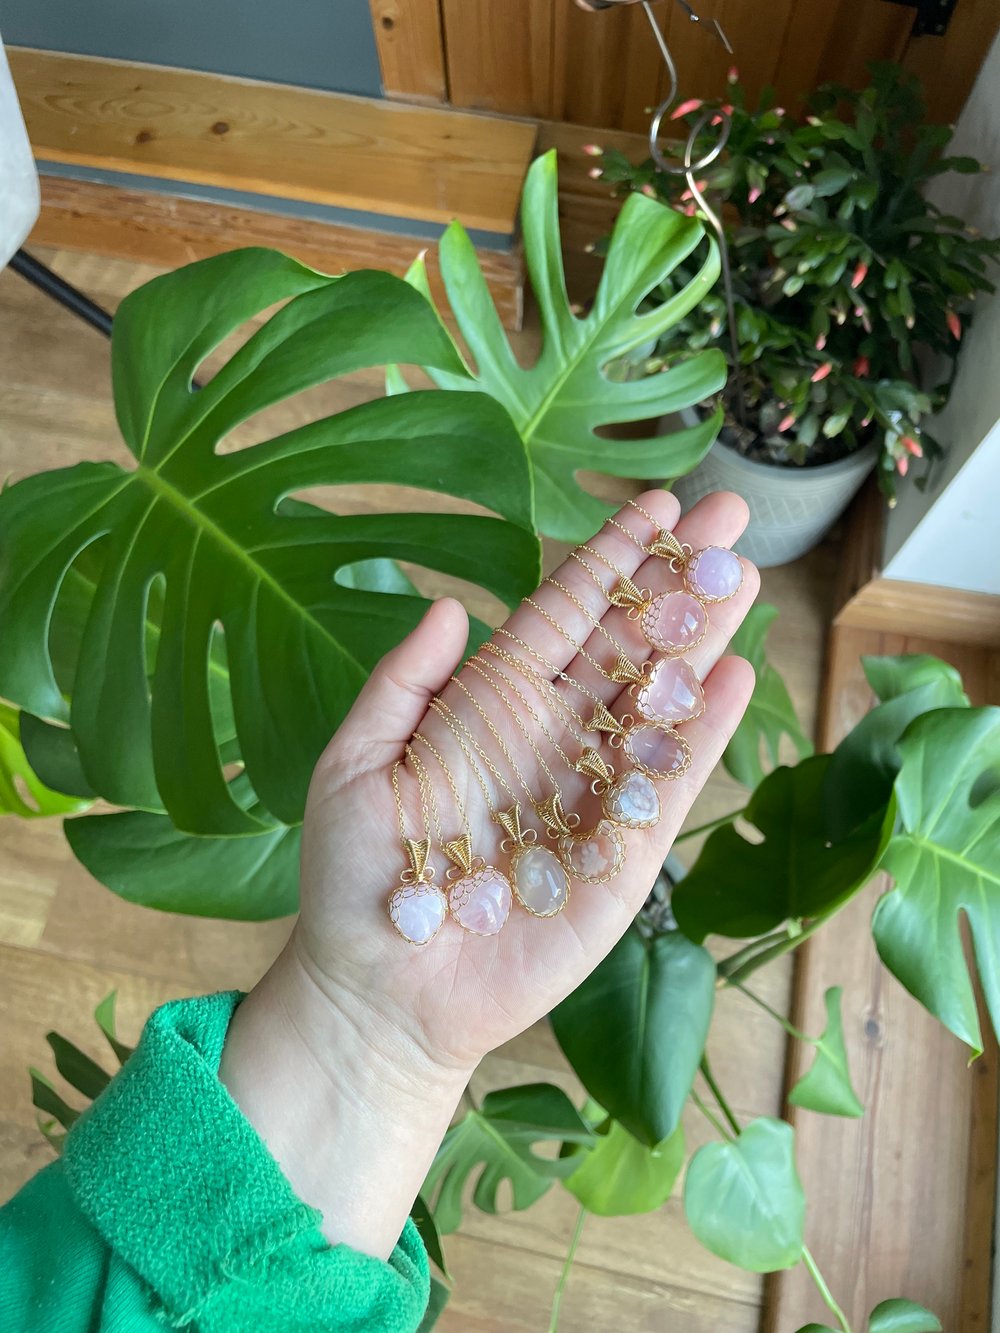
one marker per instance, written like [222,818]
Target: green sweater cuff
[178,1183]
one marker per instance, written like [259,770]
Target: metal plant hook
[687,165]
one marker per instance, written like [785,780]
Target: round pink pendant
[595,857]
[671,693]
[658,751]
[417,911]
[714,574]
[674,622]
[632,801]
[480,901]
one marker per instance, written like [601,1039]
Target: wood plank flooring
[65,941]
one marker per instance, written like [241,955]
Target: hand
[350,1056]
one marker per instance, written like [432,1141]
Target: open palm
[462,995]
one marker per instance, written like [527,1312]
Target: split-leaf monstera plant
[180,637]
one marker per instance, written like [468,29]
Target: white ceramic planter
[790,507]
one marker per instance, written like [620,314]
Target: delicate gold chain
[563,710]
[482,670]
[589,614]
[634,504]
[636,541]
[463,814]
[456,727]
[399,800]
[515,767]
[530,601]
[549,666]
[427,798]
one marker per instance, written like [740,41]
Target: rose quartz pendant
[673,622]
[714,574]
[417,911]
[671,693]
[480,901]
[632,801]
[540,881]
[595,857]
[657,751]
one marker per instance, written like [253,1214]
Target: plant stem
[776,951]
[773,1013]
[708,828]
[711,1117]
[736,960]
[813,1270]
[709,1077]
[581,1217]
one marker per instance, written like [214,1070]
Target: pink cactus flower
[593,150]
[954,325]
[861,367]
[734,75]
[755,193]
[912,446]
[595,173]
[685,108]
[902,465]
[821,342]
[649,191]
[860,273]
[786,422]
[821,372]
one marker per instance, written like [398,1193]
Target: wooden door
[549,59]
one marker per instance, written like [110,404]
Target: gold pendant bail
[605,721]
[459,850]
[552,815]
[625,671]
[417,851]
[592,765]
[510,822]
[665,544]
[627,594]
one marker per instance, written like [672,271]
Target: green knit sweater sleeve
[166,1210]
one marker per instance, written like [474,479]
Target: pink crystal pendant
[540,881]
[594,857]
[632,801]
[714,574]
[657,750]
[480,896]
[673,622]
[417,911]
[670,693]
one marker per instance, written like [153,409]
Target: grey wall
[317,43]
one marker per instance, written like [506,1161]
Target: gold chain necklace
[417,908]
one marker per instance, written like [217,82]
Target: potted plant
[847,280]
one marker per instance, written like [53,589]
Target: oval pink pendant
[632,801]
[480,901]
[595,857]
[673,622]
[417,911]
[671,693]
[714,574]
[658,751]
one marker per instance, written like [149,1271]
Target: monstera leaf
[22,790]
[262,634]
[562,402]
[945,859]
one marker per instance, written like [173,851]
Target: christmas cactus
[846,274]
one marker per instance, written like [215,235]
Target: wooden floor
[65,941]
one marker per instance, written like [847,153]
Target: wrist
[351,1106]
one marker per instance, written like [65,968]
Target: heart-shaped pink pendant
[480,901]
[671,693]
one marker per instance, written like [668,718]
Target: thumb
[394,699]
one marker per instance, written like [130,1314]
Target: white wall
[950,535]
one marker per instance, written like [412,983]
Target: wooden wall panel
[410,49]
[500,55]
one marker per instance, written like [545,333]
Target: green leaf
[495,1144]
[742,888]
[826,1087]
[217,541]
[744,1200]
[105,1017]
[435,1307]
[865,763]
[945,859]
[770,713]
[22,791]
[423,1220]
[145,859]
[816,1328]
[77,1068]
[635,1030]
[832,180]
[899,1316]
[45,1098]
[562,401]
[621,1176]
[52,753]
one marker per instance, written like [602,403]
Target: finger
[394,699]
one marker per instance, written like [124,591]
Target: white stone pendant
[657,750]
[540,881]
[417,911]
[594,857]
[632,801]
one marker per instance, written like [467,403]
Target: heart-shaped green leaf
[620,1176]
[899,1316]
[561,402]
[218,540]
[22,790]
[635,1030]
[770,713]
[742,888]
[826,1086]
[945,859]
[495,1144]
[865,763]
[744,1200]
